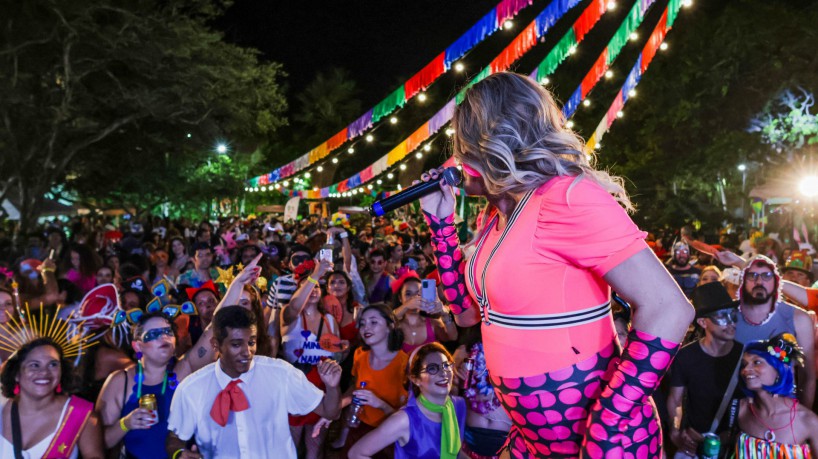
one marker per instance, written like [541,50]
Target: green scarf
[450,429]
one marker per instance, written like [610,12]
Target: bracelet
[343,235]
[122,425]
[310,279]
[47,270]
[177,453]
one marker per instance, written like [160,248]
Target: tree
[327,104]
[686,131]
[109,95]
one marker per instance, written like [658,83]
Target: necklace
[169,378]
[769,434]
[758,324]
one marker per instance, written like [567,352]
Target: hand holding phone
[428,290]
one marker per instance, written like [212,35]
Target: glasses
[763,276]
[724,318]
[156,333]
[435,368]
[299,259]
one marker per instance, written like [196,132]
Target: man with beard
[762,315]
[683,272]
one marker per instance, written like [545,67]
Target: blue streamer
[633,79]
[571,104]
[484,27]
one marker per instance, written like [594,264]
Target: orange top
[387,383]
[552,261]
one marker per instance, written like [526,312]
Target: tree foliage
[123,100]
[686,131]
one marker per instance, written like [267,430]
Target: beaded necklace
[169,380]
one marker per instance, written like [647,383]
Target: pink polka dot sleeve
[585,226]
[450,262]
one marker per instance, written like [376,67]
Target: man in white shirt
[237,407]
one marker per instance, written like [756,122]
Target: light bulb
[422,97]
[370,137]
[320,168]
[586,102]
[334,160]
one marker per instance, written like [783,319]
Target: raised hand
[330,372]
[439,203]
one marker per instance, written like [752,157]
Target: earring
[59,388]
[16,389]
[138,355]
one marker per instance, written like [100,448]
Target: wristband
[177,453]
[343,235]
[310,279]
[47,270]
[122,425]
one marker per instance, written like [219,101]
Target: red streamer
[524,42]
[588,18]
[595,73]
[654,41]
[337,140]
[425,77]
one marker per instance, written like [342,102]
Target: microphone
[451,175]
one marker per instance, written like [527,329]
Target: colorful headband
[403,274]
[785,348]
[72,339]
[304,269]
[209,285]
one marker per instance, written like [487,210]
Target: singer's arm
[450,265]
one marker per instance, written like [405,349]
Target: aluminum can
[148,402]
[711,446]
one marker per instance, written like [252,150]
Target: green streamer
[477,78]
[673,11]
[620,38]
[558,54]
[386,106]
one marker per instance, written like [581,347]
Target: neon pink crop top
[551,261]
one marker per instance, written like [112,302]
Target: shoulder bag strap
[16,434]
[731,388]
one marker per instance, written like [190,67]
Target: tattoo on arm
[202,351]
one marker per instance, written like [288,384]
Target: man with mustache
[763,314]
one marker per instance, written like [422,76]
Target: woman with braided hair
[550,245]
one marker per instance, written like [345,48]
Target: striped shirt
[281,290]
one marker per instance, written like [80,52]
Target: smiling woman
[772,422]
[35,380]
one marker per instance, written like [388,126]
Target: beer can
[711,446]
[148,402]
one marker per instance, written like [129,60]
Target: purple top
[424,435]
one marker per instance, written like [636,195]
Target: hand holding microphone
[434,191]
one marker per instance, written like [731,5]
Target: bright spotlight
[808,186]
[221,148]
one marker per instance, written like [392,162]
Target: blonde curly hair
[510,130]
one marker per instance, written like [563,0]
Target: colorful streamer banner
[487,25]
[642,62]
[632,22]
[523,43]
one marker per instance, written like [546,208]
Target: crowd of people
[323,337]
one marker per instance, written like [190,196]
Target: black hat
[712,297]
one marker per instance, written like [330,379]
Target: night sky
[382,43]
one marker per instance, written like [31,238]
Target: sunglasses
[299,259]
[156,333]
[435,368]
[763,276]
[724,318]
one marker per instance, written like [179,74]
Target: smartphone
[428,290]
[51,255]
[325,254]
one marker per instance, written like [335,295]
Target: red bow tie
[231,398]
